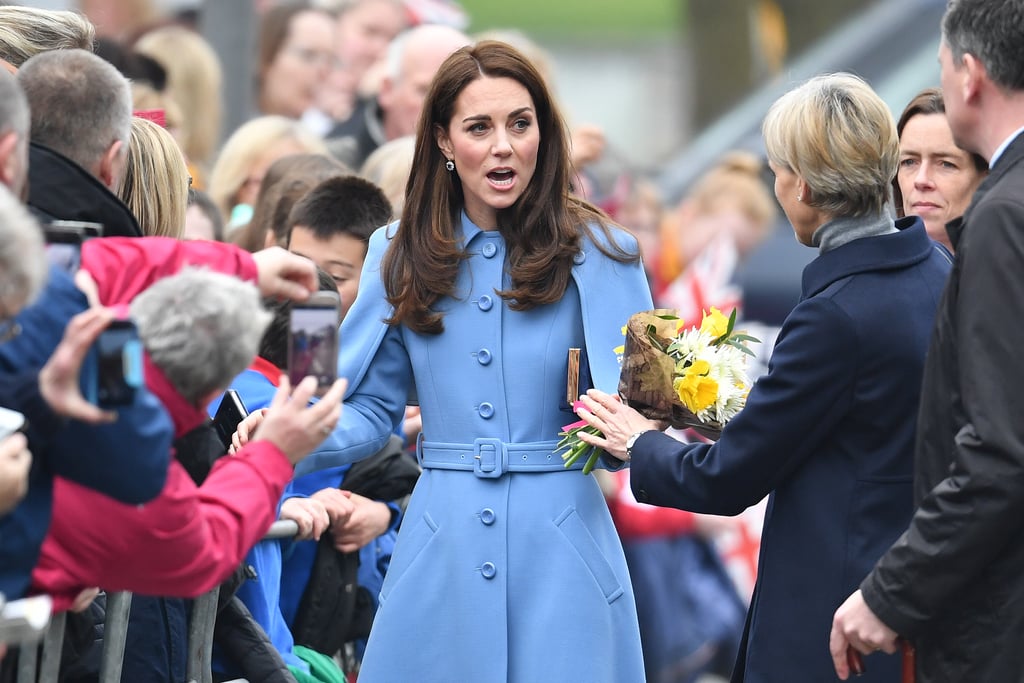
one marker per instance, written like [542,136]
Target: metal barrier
[115,630]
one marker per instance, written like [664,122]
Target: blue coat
[126,460]
[506,576]
[829,433]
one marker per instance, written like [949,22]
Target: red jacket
[189,538]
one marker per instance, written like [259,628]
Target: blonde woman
[194,82]
[238,173]
[155,181]
[27,31]
[828,433]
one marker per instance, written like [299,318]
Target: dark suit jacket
[954,583]
[829,434]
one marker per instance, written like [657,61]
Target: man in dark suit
[953,584]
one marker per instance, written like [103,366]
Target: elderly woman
[828,433]
[936,179]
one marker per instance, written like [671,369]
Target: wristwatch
[631,441]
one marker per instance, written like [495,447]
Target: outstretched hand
[295,426]
[616,421]
[285,275]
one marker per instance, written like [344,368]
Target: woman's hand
[617,422]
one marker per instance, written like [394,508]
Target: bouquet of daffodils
[691,377]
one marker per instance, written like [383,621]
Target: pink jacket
[189,539]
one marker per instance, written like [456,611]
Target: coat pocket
[576,532]
[412,540]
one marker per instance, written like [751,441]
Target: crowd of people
[428,178]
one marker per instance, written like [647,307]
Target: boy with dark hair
[332,225]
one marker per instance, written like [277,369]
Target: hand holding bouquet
[688,377]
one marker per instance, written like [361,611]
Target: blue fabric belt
[490,458]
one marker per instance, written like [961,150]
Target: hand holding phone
[230,413]
[313,339]
[114,370]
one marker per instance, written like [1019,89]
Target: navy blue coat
[829,434]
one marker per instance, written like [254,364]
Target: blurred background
[673,85]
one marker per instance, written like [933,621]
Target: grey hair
[201,329]
[80,104]
[992,31]
[14,115]
[27,31]
[23,267]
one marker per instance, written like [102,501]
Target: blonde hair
[155,180]
[736,182]
[27,31]
[194,78]
[837,134]
[388,168]
[245,146]
[145,97]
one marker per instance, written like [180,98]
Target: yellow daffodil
[695,389]
[714,323]
[619,350]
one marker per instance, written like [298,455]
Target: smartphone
[115,371]
[24,622]
[11,421]
[88,230]
[313,339]
[229,413]
[63,247]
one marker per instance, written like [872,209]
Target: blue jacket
[515,575]
[829,434]
[126,460]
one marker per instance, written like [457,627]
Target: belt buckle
[490,458]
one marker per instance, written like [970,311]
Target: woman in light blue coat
[507,566]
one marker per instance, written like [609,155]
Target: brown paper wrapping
[645,380]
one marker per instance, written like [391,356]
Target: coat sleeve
[373,358]
[182,544]
[789,413]
[969,517]
[123,267]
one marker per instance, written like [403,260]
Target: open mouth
[502,177]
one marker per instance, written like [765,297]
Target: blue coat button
[489,250]
[485,302]
[579,258]
[487,516]
[483,356]
[488,570]
[486,410]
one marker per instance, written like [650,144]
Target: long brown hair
[543,230]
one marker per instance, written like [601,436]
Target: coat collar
[60,189]
[897,250]
[1011,158]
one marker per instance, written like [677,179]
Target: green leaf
[741,347]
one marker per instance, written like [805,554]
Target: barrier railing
[34,667]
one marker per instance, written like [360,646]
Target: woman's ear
[803,192]
[443,142]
